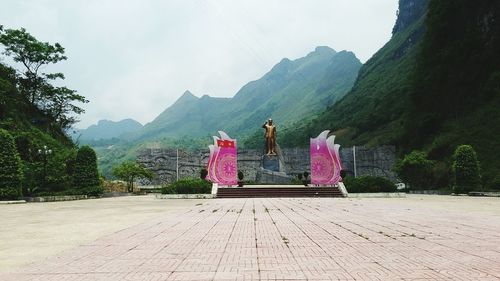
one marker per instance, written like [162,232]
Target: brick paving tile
[287,239]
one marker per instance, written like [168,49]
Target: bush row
[188,186]
[368,184]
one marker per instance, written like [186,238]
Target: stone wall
[377,161]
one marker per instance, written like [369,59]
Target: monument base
[278,191]
[271,177]
[271,163]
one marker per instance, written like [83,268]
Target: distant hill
[290,91]
[106,129]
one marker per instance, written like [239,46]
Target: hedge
[369,184]
[188,186]
[10,168]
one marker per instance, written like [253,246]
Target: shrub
[305,179]
[188,186]
[343,174]
[494,184]
[241,176]
[85,168]
[203,173]
[466,170]
[368,184]
[10,168]
[441,173]
[416,170]
[93,191]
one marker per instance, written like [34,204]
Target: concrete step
[249,192]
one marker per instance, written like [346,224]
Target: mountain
[106,129]
[188,116]
[373,111]
[433,86]
[290,91]
[295,90]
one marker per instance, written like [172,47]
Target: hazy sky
[135,58]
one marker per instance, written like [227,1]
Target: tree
[416,170]
[32,54]
[129,171]
[10,168]
[85,174]
[35,85]
[466,169]
[59,105]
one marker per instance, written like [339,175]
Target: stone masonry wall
[377,161]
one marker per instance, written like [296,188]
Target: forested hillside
[373,112]
[433,86]
[34,114]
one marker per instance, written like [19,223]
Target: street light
[44,152]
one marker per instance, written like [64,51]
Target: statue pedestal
[271,171]
[271,163]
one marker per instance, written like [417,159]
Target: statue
[270,136]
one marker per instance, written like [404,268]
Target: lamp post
[44,153]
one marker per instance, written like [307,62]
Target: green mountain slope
[294,90]
[433,86]
[373,111]
[457,87]
[288,92]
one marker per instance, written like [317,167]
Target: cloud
[135,58]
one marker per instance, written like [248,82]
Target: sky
[133,59]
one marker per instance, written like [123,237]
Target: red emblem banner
[222,163]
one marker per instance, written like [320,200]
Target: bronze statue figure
[270,136]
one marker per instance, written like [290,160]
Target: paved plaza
[415,238]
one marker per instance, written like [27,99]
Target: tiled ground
[289,239]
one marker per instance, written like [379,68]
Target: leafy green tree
[85,174]
[32,54]
[59,105]
[466,169]
[10,167]
[129,171]
[416,170]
